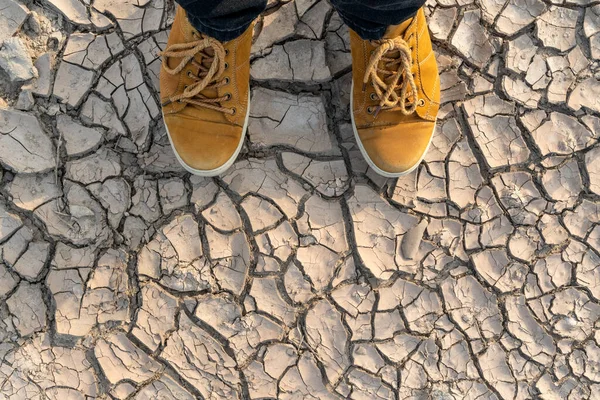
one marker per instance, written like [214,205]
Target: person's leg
[223,20]
[370,19]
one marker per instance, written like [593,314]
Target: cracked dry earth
[300,274]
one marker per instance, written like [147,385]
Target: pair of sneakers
[205,96]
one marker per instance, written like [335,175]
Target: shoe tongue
[209,51]
[397,30]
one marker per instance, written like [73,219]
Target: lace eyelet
[189,74]
[227,96]
[421,102]
[369,110]
[226,52]
[233,111]
[226,80]
[373,96]
[226,65]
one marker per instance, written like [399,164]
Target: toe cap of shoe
[397,150]
[203,145]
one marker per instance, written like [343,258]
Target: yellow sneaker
[395,96]
[204,91]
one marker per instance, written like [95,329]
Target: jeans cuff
[375,33]
[366,34]
[219,34]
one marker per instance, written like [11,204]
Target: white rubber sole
[223,168]
[366,156]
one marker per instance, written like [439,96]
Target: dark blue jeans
[227,19]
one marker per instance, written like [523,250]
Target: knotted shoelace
[396,54]
[207,77]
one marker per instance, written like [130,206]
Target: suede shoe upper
[396,96]
[204,86]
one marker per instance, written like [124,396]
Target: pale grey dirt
[300,273]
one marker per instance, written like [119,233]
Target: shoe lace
[210,70]
[395,53]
